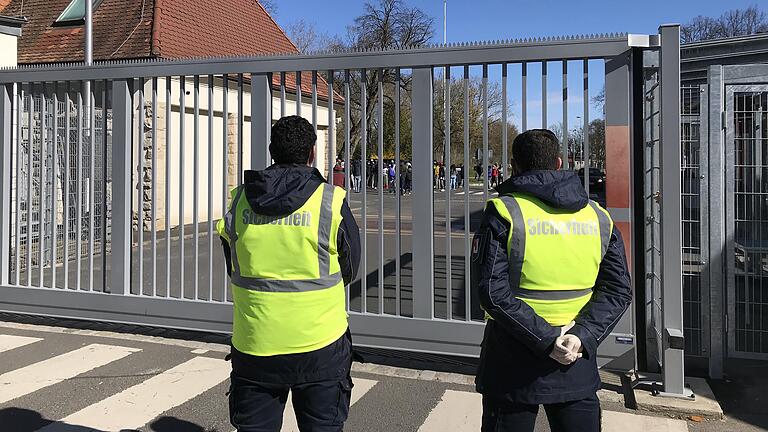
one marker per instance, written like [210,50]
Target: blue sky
[477,20]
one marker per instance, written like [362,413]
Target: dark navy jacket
[514,362]
[280,190]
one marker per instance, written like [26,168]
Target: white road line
[138,405]
[199,351]
[625,422]
[9,342]
[457,411]
[362,386]
[28,379]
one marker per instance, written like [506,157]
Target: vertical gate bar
[467,221]
[54,203]
[153,181]
[42,180]
[210,185]
[585,127]
[7,97]
[486,161]
[524,97]
[140,182]
[423,226]
[314,124]
[240,121]
[121,187]
[715,210]
[364,159]
[331,129]
[448,191]
[79,192]
[225,158]
[105,201]
[673,367]
[167,206]
[91,182]
[261,120]
[67,180]
[505,127]
[347,156]
[282,94]
[19,101]
[182,182]
[383,181]
[398,193]
[196,185]
[347,121]
[566,153]
[544,94]
[298,94]
[30,144]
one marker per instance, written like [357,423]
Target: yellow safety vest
[287,288]
[554,254]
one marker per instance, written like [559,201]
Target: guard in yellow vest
[291,244]
[551,275]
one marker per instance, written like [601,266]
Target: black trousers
[576,416]
[319,406]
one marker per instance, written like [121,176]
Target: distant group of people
[454,177]
[390,176]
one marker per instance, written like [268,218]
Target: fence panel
[117,192]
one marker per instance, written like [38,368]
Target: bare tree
[735,22]
[384,24]
[270,6]
[308,38]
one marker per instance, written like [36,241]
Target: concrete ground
[137,378]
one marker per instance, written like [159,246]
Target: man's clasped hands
[567,347]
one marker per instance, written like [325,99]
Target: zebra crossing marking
[457,411]
[140,404]
[626,422]
[36,376]
[9,342]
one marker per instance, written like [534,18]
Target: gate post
[122,143]
[6,127]
[423,240]
[261,120]
[619,187]
[673,368]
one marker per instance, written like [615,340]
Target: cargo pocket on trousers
[344,398]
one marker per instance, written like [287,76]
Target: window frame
[61,21]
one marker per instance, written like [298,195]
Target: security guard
[551,274]
[291,244]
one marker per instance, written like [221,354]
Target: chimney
[10,32]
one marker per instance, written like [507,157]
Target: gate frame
[734,79]
[424,332]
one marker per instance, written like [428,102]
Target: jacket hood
[559,189]
[281,189]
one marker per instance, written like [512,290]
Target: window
[75,12]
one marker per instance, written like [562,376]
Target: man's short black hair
[292,140]
[536,150]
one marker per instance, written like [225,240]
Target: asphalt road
[59,379]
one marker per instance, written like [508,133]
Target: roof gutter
[12,25]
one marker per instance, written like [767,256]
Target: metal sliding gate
[144,165]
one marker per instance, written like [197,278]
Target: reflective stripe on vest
[540,279]
[325,280]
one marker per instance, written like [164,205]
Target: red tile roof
[167,29]
[216,28]
[122,29]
